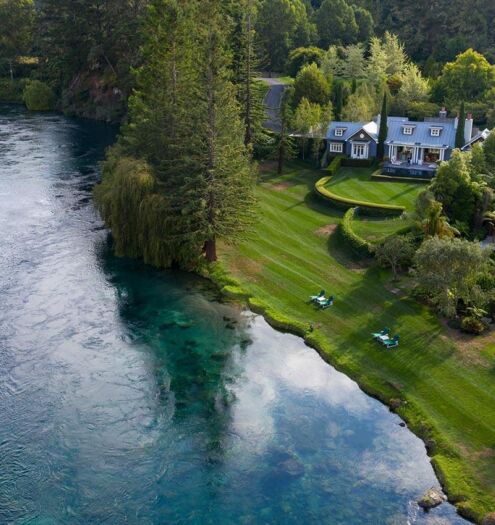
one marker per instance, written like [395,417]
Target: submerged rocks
[433,498]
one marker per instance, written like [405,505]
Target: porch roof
[416,145]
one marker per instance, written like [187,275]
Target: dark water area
[134,396]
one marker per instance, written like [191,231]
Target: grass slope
[445,392]
[356,183]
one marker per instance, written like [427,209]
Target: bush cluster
[38,96]
[473,325]
[10,92]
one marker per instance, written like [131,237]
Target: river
[135,396]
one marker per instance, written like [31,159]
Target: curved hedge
[379,177]
[359,245]
[371,208]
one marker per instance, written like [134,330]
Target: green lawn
[356,183]
[375,230]
[446,390]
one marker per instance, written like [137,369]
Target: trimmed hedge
[359,245]
[378,176]
[370,208]
[334,165]
[397,178]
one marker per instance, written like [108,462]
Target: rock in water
[432,499]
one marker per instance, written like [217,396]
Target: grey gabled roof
[350,129]
[421,133]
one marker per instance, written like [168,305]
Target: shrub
[472,325]
[334,165]
[38,96]
[10,91]
[396,252]
[359,245]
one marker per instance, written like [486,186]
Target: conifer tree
[245,62]
[339,100]
[284,146]
[459,134]
[383,132]
[225,192]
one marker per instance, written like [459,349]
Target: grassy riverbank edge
[454,474]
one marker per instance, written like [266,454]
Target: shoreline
[232,289]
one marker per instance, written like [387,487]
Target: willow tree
[162,226]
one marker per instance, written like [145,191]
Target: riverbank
[443,388]
[134,395]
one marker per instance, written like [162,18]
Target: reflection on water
[129,395]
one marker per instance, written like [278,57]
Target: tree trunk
[211,250]
[280,165]
[11,68]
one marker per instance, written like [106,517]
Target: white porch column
[442,154]
[419,155]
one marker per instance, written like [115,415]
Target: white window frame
[408,130]
[339,132]
[435,132]
[336,147]
[360,150]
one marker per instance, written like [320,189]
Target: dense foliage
[198,183]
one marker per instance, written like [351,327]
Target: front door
[359,151]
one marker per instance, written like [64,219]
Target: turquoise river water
[134,396]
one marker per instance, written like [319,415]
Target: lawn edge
[467,496]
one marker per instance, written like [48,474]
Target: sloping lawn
[356,183]
[446,391]
[375,230]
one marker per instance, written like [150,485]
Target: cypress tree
[339,100]
[459,134]
[382,134]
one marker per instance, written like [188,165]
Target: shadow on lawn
[342,253]
[318,204]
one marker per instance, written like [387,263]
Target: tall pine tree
[227,189]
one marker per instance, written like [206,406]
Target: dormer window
[408,130]
[435,132]
[339,132]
